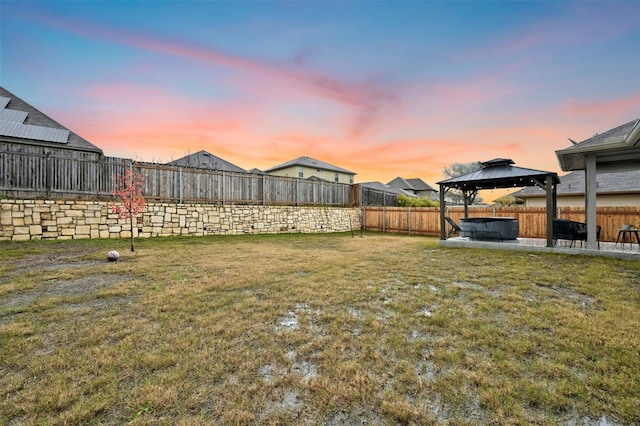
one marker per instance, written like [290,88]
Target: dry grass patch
[315,329]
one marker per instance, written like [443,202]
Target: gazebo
[500,173]
[617,149]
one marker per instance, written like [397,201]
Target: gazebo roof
[499,173]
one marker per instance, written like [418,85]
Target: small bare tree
[459,169]
[128,187]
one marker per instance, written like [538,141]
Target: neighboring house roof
[382,187]
[311,163]
[22,123]
[622,142]
[573,184]
[206,160]
[415,184]
[420,185]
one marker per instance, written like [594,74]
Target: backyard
[326,329]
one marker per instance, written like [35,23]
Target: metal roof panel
[58,133]
[28,131]
[13,115]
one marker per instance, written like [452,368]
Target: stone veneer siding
[48,219]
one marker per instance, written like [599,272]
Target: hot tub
[490,228]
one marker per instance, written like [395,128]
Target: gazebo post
[466,204]
[442,207]
[551,208]
[590,207]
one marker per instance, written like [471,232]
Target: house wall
[309,172]
[603,200]
[48,219]
[432,195]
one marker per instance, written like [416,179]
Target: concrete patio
[607,249]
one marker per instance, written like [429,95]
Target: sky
[381,88]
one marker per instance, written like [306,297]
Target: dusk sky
[382,88]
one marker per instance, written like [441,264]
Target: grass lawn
[315,329]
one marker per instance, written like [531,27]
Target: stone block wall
[59,219]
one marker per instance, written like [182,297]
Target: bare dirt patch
[76,293]
[57,288]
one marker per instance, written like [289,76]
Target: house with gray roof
[206,160]
[24,128]
[613,150]
[616,150]
[307,167]
[613,189]
[379,186]
[415,186]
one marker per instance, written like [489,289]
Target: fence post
[181,186]
[409,220]
[97,184]
[384,219]
[224,192]
[49,174]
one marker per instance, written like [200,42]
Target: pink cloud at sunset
[609,108]
[367,99]
[384,92]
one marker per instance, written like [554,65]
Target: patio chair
[454,227]
[572,230]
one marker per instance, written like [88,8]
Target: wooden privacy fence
[29,175]
[181,184]
[531,221]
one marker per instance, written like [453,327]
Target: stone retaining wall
[59,219]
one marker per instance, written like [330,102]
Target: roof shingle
[205,160]
[573,184]
[312,163]
[22,121]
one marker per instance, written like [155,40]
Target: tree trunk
[131,221]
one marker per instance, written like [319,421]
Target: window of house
[300,172]
[351,180]
[337,177]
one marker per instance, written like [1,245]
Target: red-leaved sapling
[128,187]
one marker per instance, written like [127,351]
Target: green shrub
[406,201]
[508,201]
